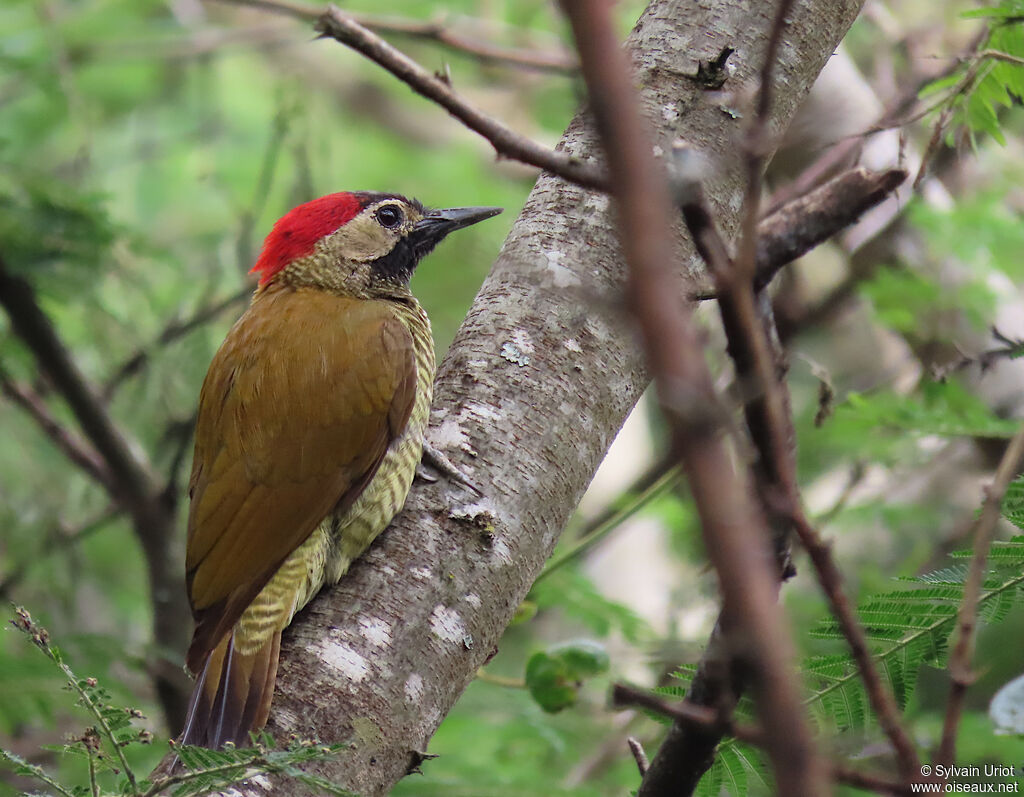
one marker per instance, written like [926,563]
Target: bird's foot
[417,757]
[436,460]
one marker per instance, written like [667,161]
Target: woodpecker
[310,427]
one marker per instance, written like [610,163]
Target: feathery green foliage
[986,83]
[909,627]
[103,747]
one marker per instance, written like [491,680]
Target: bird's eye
[389,216]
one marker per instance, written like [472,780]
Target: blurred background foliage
[146,146]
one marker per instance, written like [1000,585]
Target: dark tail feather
[232,694]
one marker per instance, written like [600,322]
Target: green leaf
[945,409]
[554,676]
[1013,503]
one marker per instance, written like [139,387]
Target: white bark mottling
[534,388]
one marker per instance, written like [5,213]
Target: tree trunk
[534,388]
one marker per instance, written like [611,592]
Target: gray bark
[534,388]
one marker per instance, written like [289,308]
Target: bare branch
[758,147]
[961,676]
[798,226]
[506,142]
[637,749]
[58,539]
[868,781]
[879,695]
[75,449]
[174,330]
[132,477]
[688,712]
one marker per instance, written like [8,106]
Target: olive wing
[297,411]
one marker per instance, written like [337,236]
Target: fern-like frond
[1013,503]
[910,626]
[738,769]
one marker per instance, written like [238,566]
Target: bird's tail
[232,694]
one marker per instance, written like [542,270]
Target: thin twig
[879,695]
[506,142]
[869,781]
[174,330]
[72,446]
[264,182]
[96,710]
[637,749]
[963,87]
[961,676]
[93,783]
[433,31]
[692,714]
[178,329]
[499,680]
[182,430]
[894,116]
[758,147]
[686,711]
[37,772]
[161,785]
[57,539]
[645,489]
[1011,349]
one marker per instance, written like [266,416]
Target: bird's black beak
[432,228]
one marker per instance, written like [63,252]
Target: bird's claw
[435,459]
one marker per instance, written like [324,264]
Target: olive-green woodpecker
[310,428]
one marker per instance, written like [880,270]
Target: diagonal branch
[798,226]
[174,330]
[758,145]
[687,712]
[59,537]
[75,449]
[508,143]
[132,478]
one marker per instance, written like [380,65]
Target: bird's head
[363,244]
